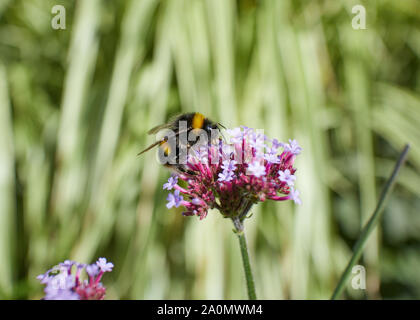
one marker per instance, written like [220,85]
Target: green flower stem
[371,224]
[245,258]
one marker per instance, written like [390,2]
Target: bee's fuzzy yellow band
[198,121]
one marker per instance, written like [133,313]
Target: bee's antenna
[151,146]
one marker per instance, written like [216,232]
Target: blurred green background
[75,105]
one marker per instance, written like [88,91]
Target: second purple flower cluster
[64,281]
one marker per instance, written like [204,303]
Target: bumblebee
[185,131]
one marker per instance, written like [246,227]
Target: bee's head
[213,129]
[211,126]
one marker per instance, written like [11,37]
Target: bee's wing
[159,127]
[167,125]
[151,146]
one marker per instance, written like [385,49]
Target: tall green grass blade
[7,192]
[371,224]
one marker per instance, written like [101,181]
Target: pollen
[165,147]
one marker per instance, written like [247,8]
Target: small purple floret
[174,199]
[104,266]
[286,176]
[256,169]
[172,181]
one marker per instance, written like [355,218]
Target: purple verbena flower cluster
[63,281]
[232,176]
